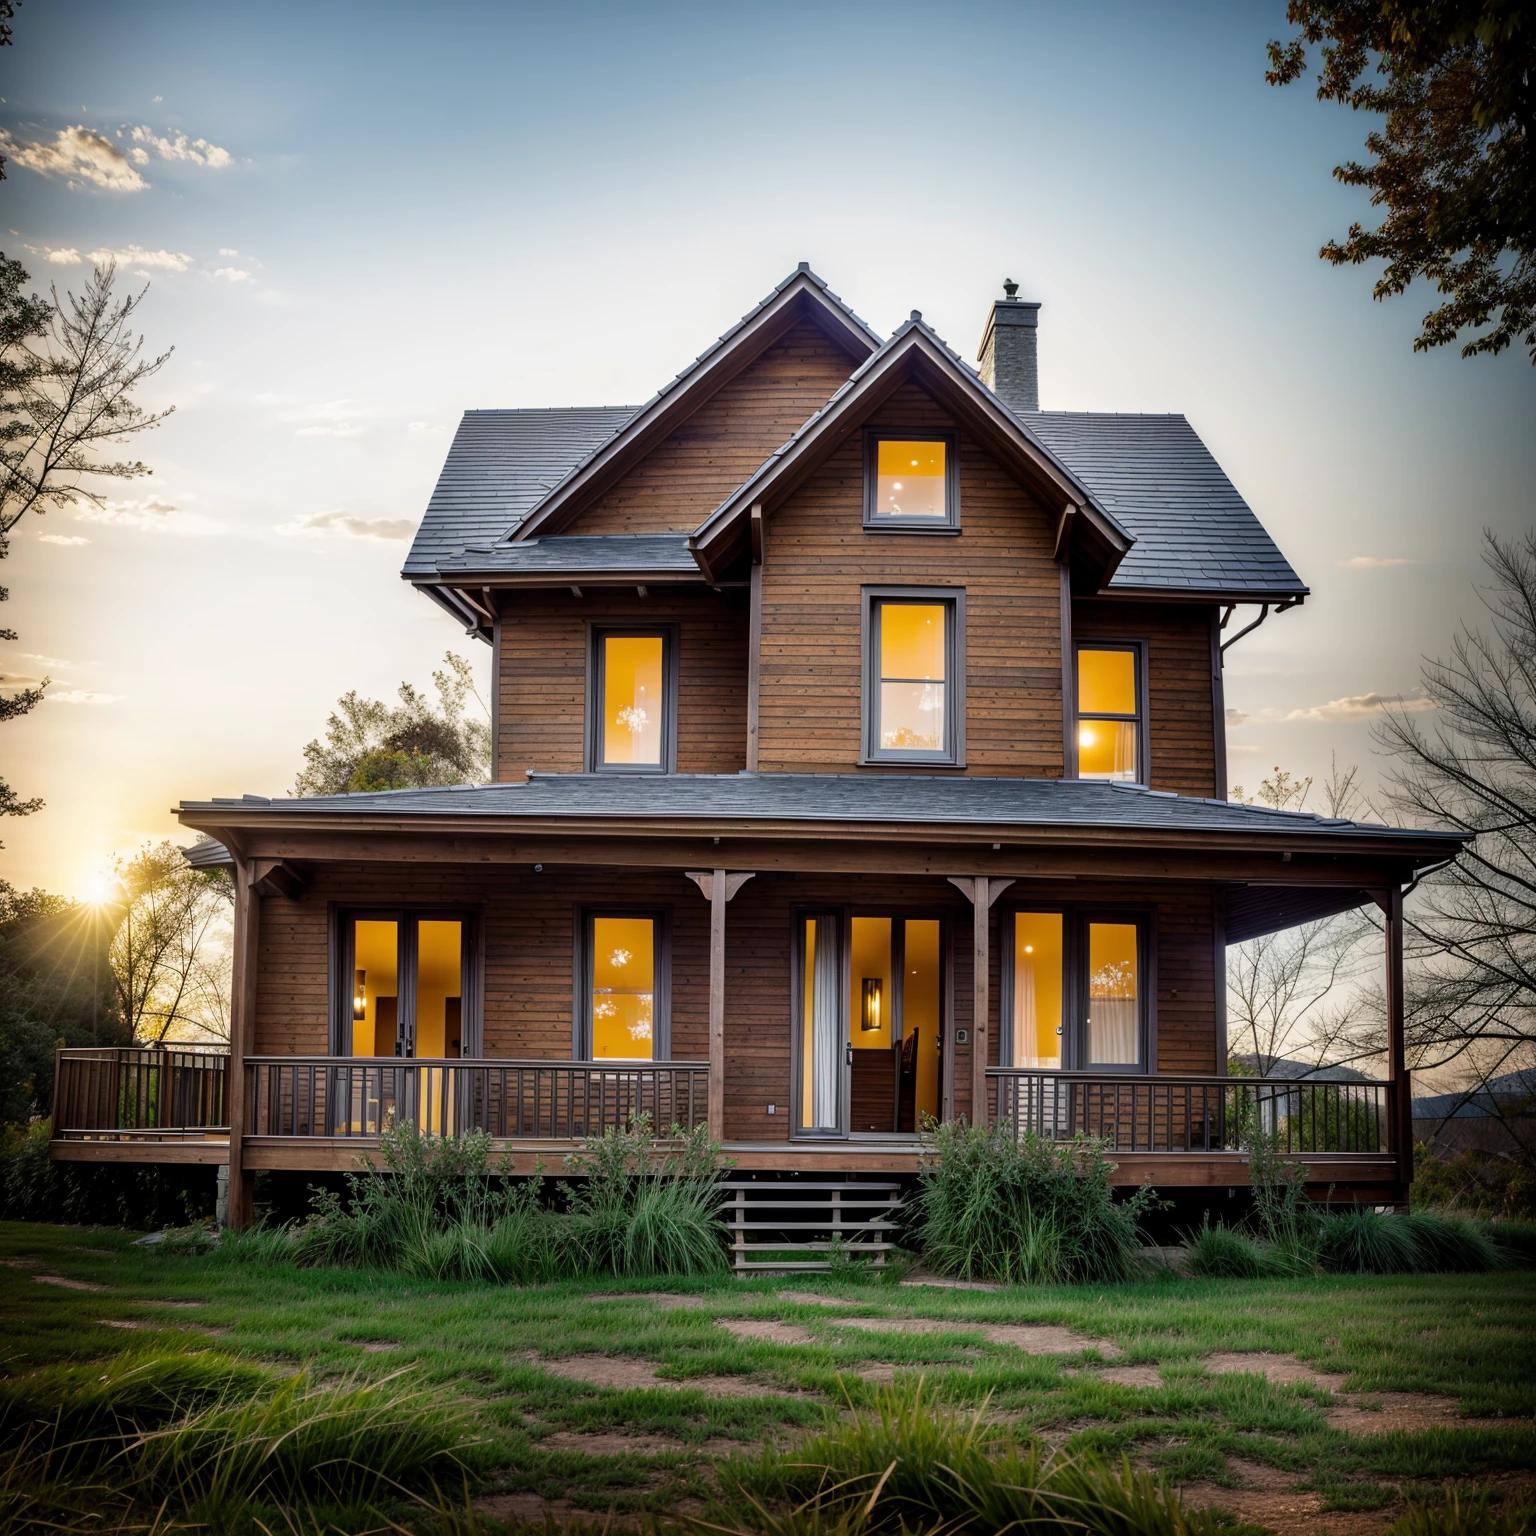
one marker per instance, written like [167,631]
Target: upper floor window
[911,484]
[633,710]
[1111,715]
[914,642]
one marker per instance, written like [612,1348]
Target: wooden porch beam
[718,888]
[981,891]
[242,1033]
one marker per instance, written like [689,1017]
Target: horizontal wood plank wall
[543,675]
[1180,724]
[529,936]
[529,933]
[688,475]
[818,557]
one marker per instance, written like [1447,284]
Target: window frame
[592,749]
[1076,916]
[342,916]
[872,754]
[874,522]
[661,987]
[1138,650]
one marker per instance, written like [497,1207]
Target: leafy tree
[55,989]
[370,745]
[1454,159]
[170,953]
[1471,994]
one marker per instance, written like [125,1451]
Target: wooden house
[858,760]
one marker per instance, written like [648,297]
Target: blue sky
[358,221]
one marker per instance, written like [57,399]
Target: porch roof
[895,800]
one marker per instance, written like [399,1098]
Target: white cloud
[425,429]
[348,525]
[340,429]
[226,250]
[137,256]
[138,156]
[65,256]
[81,156]
[1361,562]
[230,274]
[61,538]
[82,696]
[1361,706]
[47,661]
[179,147]
[1235,718]
[149,512]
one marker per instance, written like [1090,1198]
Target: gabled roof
[1195,535]
[915,353]
[500,466]
[801,296]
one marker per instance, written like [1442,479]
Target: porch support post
[1397,1056]
[755,638]
[242,1035]
[718,888]
[982,892]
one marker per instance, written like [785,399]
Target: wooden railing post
[1401,1119]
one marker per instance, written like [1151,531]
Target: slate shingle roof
[590,553]
[895,799]
[1194,532]
[500,465]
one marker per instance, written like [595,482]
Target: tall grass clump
[1223,1253]
[993,1206]
[907,1465]
[645,1208]
[1450,1244]
[1367,1242]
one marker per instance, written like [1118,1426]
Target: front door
[871,1024]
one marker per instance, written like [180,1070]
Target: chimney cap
[1010,288]
[917,315]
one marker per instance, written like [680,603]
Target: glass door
[824,1048]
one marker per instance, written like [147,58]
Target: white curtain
[1112,1030]
[1025,1023]
[826,1029]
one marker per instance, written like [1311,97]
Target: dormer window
[911,484]
[914,645]
[1111,715]
[632,708]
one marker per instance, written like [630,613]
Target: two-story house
[858,759]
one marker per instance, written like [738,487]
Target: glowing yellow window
[1037,990]
[623,988]
[911,481]
[1114,1005]
[375,986]
[1108,715]
[913,667]
[633,705]
[439,987]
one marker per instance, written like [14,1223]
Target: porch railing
[1306,1116]
[350,1097]
[150,1093]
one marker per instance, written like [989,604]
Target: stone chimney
[1010,367]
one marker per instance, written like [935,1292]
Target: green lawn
[1471,1338]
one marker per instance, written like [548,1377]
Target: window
[407,985]
[1111,737]
[914,644]
[624,995]
[632,709]
[1075,993]
[911,484]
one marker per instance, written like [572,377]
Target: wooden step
[770,1219]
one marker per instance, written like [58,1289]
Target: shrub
[1223,1253]
[1367,1242]
[1479,1183]
[1449,1244]
[1515,1241]
[1022,1210]
[907,1466]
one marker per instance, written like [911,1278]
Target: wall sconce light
[869,1015]
[359,995]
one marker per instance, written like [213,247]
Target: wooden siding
[818,557]
[687,476]
[1180,722]
[529,927]
[543,689]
